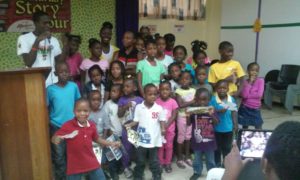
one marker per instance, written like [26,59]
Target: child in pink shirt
[96,52]
[170,108]
[170,42]
[199,57]
[251,94]
[74,58]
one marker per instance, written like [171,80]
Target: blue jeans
[197,163]
[58,155]
[96,174]
[113,165]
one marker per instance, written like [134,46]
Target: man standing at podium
[39,48]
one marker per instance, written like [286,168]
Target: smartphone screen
[252,143]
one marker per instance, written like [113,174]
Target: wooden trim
[39,126]
[43,70]
[14,151]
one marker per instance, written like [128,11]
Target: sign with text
[16,15]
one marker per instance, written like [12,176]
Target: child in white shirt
[150,119]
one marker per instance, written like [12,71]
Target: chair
[287,87]
[272,76]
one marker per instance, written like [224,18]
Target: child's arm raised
[135,121]
[65,132]
[103,142]
[211,112]
[217,107]
[56,139]
[183,104]
[130,125]
[122,109]
[240,82]
[221,110]
[247,91]
[232,78]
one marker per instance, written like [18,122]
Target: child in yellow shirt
[227,68]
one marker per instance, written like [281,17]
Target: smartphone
[252,143]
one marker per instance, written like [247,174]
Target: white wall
[277,45]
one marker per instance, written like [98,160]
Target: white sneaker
[128,173]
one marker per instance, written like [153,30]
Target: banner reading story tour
[15,15]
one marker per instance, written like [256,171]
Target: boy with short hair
[110,112]
[61,98]
[96,114]
[201,76]
[203,136]
[226,109]
[150,119]
[79,133]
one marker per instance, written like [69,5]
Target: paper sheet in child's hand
[133,137]
[198,110]
[71,135]
[230,106]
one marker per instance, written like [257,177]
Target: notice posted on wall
[178,28]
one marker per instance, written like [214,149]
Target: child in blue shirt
[226,109]
[61,98]
[180,54]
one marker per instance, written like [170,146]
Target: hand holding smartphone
[252,143]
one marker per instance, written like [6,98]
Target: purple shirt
[203,135]
[252,93]
[129,113]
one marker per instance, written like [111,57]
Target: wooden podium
[24,129]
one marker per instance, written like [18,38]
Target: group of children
[141,88]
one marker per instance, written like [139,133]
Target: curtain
[176,9]
[127,18]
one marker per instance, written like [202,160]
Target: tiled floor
[271,119]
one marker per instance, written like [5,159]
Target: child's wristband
[34,49]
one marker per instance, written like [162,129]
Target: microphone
[49,39]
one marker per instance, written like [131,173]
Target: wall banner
[15,15]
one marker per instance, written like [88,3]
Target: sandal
[189,162]
[180,164]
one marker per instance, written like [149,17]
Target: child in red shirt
[79,134]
